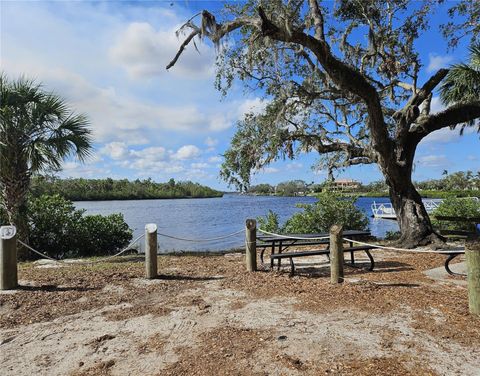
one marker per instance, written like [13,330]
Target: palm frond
[462,83]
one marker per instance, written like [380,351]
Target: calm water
[212,217]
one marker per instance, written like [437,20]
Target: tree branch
[457,114]
[317,20]
[344,76]
[410,112]
[427,88]
[182,47]
[217,34]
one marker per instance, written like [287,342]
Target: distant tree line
[286,188]
[110,189]
[462,183]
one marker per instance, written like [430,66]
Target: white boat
[386,211]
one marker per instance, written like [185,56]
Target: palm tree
[37,132]
[462,83]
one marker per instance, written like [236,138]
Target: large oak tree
[341,79]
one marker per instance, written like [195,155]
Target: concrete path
[440,274]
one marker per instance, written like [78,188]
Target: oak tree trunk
[414,222]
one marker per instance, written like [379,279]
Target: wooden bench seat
[292,255]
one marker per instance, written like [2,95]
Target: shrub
[457,207]
[269,222]
[103,234]
[330,209]
[3,217]
[59,230]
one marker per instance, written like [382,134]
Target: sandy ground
[207,316]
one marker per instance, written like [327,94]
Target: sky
[107,60]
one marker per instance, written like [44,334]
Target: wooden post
[251,244]
[8,258]
[151,251]
[472,254]
[336,254]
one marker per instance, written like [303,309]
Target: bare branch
[215,35]
[182,47]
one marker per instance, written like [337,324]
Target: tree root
[434,240]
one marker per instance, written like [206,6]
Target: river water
[213,217]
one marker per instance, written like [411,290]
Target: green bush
[59,230]
[269,222]
[330,209]
[3,216]
[457,207]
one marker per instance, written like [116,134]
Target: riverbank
[206,315]
[110,189]
[424,194]
[382,194]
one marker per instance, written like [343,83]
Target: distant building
[345,184]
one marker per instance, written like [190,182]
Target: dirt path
[206,316]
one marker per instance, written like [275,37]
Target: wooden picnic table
[279,244]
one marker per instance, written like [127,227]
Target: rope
[404,249]
[84,262]
[35,251]
[292,237]
[201,240]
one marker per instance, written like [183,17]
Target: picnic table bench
[279,244]
[457,233]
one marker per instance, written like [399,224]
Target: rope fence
[127,248]
[447,251]
[202,240]
[292,237]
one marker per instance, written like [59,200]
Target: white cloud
[270,170]
[294,166]
[187,152]
[436,105]
[434,161]
[76,170]
[438,61]
[255,106]
[199,165]
[153,160]
[215,159]
[158,153]
[219,122]
[447,135]
[211,142]
[144,51]
[115,150]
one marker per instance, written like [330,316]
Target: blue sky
[107,59]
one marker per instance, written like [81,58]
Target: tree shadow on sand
[185,278]
[53,288]
[322,269]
